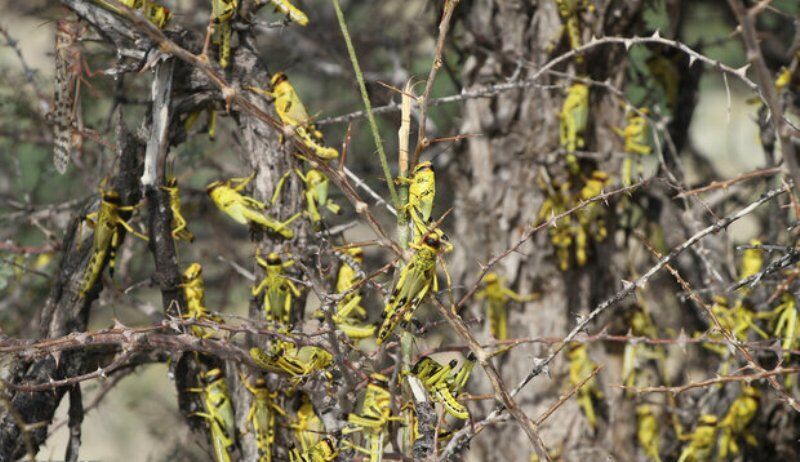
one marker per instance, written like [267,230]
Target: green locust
[416,280]
[574,117]
[261,416]
[106,223]
[421,193]
[279,291]
[222,12]
[218,413]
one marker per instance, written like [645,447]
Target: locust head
[194,271]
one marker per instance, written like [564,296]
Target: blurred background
[139,421]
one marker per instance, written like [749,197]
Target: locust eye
[279,78]
[112,197]
[432,241]
[273,259]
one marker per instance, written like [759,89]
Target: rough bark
[496,197]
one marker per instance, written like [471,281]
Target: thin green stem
[365,96]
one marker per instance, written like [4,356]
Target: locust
[349,312]
[590,217]
[416,280]
[580,367]
[752,260]
[292,12]
[665,72]
[574,117]
[294,116]
[421,193]
[284,357]
[640,325]
[637,142]
[106,223]
[497,296]
[444,384]
[647,428]
[323,451]
[228,197]
[279,291]
[316,194]
[194,293]
[179,225]
[261,416]
[222,12]
[557,202]
[787,326]
[66,100]
[218,413]
[157,14]
[374,418]
[307,426]
[570,13]
[702,441]
[737,320]
[734,425]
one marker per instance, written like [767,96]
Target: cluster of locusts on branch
[573,213]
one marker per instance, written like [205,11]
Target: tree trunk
[497,198]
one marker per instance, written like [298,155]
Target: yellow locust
[444,384]
[647,428]
[376,413]
[244,209]
[416,280]
[580,367]
[349,312]
[316,193]
[294,116]
[292,12]
[702,441]
[159,15]
[497,296]
[179,229]
[218,413]
[106,223]
[307,426]
[285,357]
[323,451]
[570,11]
[735,424]
[279,290]
[637,142]
[194,292]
